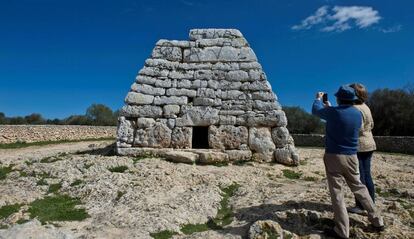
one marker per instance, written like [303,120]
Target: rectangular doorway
[200,137]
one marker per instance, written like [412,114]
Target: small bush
[4,171]
[118,169]
[290,174]
[53,188]
[163,234]
[8,210]
[76,182]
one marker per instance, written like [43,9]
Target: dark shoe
[355,210]
[378,229]
[330,232]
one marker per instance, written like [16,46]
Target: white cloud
[392,29]
[340,18]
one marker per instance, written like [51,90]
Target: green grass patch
[41,182]
[163,234]
[54,188]
[41,143]
[118,169]
[77,182]
[88,165]
[8,210]
[290,174]
[192,228]
[310,179]
[225,213]
[4,171]
[57,208]
[22,221]
[119,194]
[23,174]
[51,159]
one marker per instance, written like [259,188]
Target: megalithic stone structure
[206,93]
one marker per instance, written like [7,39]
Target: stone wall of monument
[37,133]
[394,144]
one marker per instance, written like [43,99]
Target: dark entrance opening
[200,138]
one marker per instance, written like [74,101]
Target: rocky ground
[151,197]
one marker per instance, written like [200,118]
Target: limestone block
[266,229]
[171,111]
[230,85]
[227,120]
[154,72]
[227,136]
[263,95]
[206,93]
[219,54]
[236,42]
[270,119]
[245,105]
[174,43]
[194,66]
[198,116]
[125,130]
[138,98]
[181,74]
[170,53]
[163,83]
[156,136]
[170,100]
[232,112]
[212,157]
[201,101]
[120,144]
[280,136]
[181,92]
[225,66]
[260,141]
[161,63]
[143,123]
[287,155]
[213,84]
[141,111]
[250,66]
[239,155]
[184,84]
[182,137]
[257,86]
[181,157]
[143,79]
[238,75]
[147,89]
[266,105]
[171,123]
[219,75]
[212,33]
[254,75]
[203,75]
[233,95]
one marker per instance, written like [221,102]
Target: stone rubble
[213,80]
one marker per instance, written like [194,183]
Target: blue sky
[59,57]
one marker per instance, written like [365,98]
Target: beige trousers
[338,167]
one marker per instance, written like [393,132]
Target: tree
[301,122]
[393,111]
[101,114]
[34,119]
[3,119]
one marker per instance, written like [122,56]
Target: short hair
[361,92]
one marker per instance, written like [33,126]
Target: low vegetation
[41,143]
[118,169]
[4,171]
[8,210]
[290,174]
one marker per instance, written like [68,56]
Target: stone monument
[207,96]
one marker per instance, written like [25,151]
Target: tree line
[96,114]
[392,110]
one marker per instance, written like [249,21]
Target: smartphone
[325,97]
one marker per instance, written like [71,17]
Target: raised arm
[318,108]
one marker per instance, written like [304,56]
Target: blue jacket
[342,127]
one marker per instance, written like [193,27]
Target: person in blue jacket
[343,123]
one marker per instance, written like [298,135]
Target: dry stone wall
[38,133]
[213,80]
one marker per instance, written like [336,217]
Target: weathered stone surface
[141,111]
[149,80]
[174,43]
[280,136]
[266,229]
[266,105]
[270,119]
[219,54]
[145,122]
[233,95]
[198,116]
[181,74]
[260,141]
[287,155]
[181,157]
[227,120]
[236,42]
[35,230]
[157,135]
[212,33]
[227,136]
[138,98]
[239,155]
[161,63]
[171,111]
[225,66]
[237,76]
[154,72]
[257,86]
[211,157]
[163,83]
[203,75]
[168,52]
[263,95]
[206,101]
[147,89]
[184,84]
[181,92]
[206,93]
[170,100]
[181,137]
[250,66]
[125,130]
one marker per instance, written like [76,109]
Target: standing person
[342,127]
[366,145]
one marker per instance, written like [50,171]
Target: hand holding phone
[325,97]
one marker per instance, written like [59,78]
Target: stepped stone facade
[206,93]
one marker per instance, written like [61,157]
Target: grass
[192,228]
[54,188]
[22,221]
[77,182]
[163,234]
[310,178]
[18,145]
[139,158]
[119,194]
[8,210]
[118,169]
[303,162]
[88,165]
[57,208]
[51,159]
[4,171]
[290,174]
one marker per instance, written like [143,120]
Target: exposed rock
[125,130]
[280,136]
[34,230]
[265,229]
[181,137]
[260,141]
[227,136]
[157,135]
[212,157]
[181,157]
